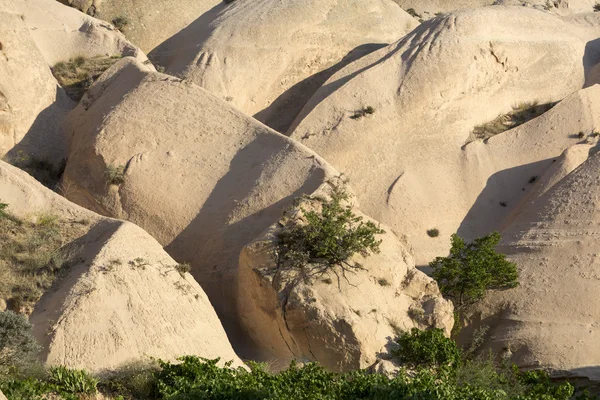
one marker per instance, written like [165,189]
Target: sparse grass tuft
[30,256]
[363,112]
[183,268]
[79,73]
[521,113]
[42,170]
[433,232]
[120,22]
[596,7]
[115,175]
[383,282]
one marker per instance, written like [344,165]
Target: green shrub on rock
[329,238]
[473,268]
[18,348]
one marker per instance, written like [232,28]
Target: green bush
[3,207]
[18,347]
[115,175]
[73,380]
[431,349]
[329,238]
[120,22]
[473,268]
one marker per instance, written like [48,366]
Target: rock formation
[267,57]
[549,321]
[118,296]
[198,175]
[414,105]
[343,320]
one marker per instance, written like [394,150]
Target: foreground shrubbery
[439,371]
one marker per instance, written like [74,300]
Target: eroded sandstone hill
[267,57]
[113,296]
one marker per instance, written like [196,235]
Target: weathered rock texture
[200,176]
[152,22]
[267,57]
[61,32]
[121,298]
[550,320]
[32,105]
[342,320]
[428,91]
[426,9]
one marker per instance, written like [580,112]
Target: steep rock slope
[197,174]
[268,56]
[396,121]
[118,296]
[550,319]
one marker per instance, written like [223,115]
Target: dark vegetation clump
[363,112]
[519,115]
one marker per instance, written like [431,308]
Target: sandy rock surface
[122,297]
[343,320]
[427,93]
[201,177]
[153,22]
[61,32]
[426,9]
[548,320]
[267,57]
[32,105]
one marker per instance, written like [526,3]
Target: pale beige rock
[428,91]
[343,320]
[32,105]
[200,176]
[550,320]
[426,9]
[110,308]
[122,300]
[61,32]
[2,397]
[152,22]
[267,57]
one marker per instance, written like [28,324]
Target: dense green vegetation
[438,371]
[473,268]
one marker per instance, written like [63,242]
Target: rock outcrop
[118,296]
[267,57]
[415,104]
[32,105]
[152,22]
[549,321]
[343,320]
[197,174]
[61,32]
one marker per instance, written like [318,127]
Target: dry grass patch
[79,73]
[519,115]
[30,256]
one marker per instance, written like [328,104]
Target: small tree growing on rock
[328,238]
[473,268]
[18,348]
